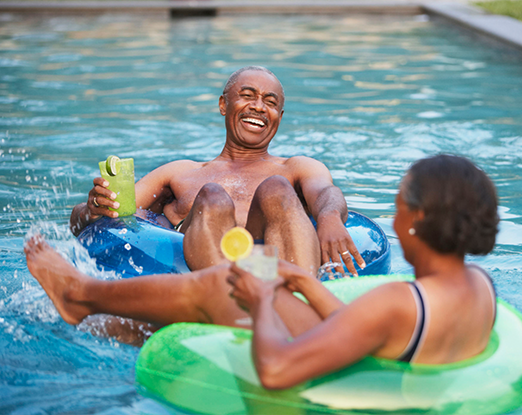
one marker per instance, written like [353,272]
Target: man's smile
[254,122]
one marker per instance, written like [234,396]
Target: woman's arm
[355,331]
[319,297]
[361,328]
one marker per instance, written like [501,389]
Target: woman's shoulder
[389,301]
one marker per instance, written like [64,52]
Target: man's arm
[328,207]
[152,192]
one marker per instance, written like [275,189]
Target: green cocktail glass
[120,175]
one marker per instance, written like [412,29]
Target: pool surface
[367,96]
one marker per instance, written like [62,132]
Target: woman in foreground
[446,208]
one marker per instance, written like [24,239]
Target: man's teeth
[254,121]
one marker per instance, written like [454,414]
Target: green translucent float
[208,369]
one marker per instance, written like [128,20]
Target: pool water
[367,96]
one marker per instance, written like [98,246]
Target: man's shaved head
[233,79]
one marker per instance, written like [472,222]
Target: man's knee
[275,185]
[277,194]
[213,197]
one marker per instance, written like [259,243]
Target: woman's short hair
[459,202]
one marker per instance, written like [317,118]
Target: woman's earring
[411,231]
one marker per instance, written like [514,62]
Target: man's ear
[222,105]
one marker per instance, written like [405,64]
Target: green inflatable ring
[207,369]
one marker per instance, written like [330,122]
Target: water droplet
[27,178]
[18,221]
[127,247]
[123,231]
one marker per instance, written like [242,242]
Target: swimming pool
[366,96]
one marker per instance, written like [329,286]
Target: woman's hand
[292,274]
[249,291]
[101,199]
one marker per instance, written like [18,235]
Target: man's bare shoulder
[178,166]
[299,163]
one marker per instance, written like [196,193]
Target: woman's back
[461,312]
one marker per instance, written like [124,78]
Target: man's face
[253,109]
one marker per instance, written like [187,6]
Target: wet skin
[253,109]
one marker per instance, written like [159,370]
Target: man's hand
[101,199]
[327,205]
[337,244]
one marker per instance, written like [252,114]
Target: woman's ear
[418,216]
[222,105]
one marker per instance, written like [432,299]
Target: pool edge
[500,28]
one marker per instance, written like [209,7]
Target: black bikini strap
[418,331]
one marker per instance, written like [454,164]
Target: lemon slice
[237,243]
[113,165]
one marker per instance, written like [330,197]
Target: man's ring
[344,253]
[95,203]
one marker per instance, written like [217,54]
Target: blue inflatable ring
[133,246]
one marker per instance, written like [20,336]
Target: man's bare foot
[61,281]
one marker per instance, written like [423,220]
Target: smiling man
[244,186]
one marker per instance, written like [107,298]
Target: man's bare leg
[200,296]
[124,330]
[157,299]
[277,216]
[212,214]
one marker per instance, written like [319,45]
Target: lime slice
[237,243]
[113,165]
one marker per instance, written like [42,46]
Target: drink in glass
[120,175]
[262,262]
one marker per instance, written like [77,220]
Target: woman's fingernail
[116,205]
[362,265]
[114,196]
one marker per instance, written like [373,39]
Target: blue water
[367,96]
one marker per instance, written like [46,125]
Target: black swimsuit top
[421,325]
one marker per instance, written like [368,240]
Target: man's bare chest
[240,184]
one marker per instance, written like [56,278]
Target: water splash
[327,271]
[137,268]
[66,244]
